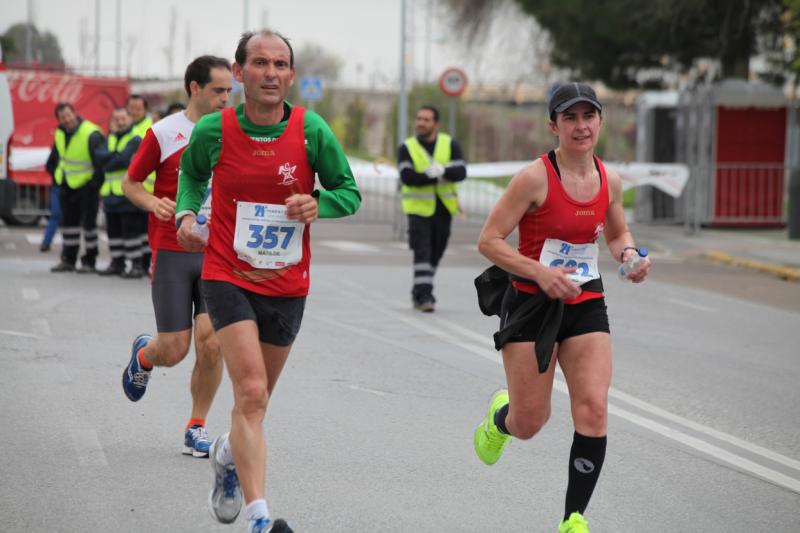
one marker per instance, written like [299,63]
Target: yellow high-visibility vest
[113,181]
[74,158]
[421,200]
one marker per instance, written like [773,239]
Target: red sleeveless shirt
[562,217]
[251,171]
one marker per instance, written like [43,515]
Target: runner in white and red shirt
[175,273]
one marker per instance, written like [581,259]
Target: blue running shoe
[265,525]
[196,442]
[135,378]
[225,498]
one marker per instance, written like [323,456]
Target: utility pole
[402,102]
[428,40]
[96,36]
[246,15]
[29,35]
[118,40]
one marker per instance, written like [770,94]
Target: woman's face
[578,127]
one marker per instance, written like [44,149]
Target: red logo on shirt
[179,137]
[287,172]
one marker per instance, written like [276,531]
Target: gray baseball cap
[569,94]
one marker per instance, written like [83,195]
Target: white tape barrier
[667,177]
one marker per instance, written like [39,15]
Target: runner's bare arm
[618,236]
[162,208]
[527,190]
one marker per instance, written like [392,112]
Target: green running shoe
[489,441]
[576,523]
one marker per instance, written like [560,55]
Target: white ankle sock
[224,453]
[256,509]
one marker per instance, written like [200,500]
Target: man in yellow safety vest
[430,165]
[79,149]
[124,221]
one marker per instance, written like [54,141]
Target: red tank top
[260,172]
[562,217]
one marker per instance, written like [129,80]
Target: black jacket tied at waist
[492,285]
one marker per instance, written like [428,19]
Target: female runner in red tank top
[561,203]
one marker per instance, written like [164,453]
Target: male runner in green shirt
[264,156]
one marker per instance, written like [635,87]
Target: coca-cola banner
[34,95]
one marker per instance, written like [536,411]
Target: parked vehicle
[27,121]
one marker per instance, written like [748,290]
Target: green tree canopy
[620,41]
[45,48]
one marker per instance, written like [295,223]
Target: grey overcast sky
[365,34]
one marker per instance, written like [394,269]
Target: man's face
[425,125]
[67,119]
[213,96]
[136,109]
[266,74]
[120,120]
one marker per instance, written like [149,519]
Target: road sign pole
[452,130]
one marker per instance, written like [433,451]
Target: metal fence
[741,194]
[30,202]
[380,202]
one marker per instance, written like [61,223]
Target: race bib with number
[581,256]
[265,238]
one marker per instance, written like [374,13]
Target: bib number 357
[265,237]
[269,237]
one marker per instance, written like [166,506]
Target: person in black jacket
[123,219]
[430,165]
[77,160]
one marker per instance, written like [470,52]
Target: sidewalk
[766,250]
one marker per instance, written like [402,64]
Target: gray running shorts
[176,289]
[278,318]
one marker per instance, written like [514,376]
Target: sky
[364,34]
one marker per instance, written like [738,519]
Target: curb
[786,273]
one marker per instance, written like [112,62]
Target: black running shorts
[176,289]
[278,318]
[579,319]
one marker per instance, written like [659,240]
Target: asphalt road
[371,426]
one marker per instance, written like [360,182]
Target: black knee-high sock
[585,462]
[500,419]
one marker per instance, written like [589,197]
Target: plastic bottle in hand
[632,264]
[200,227]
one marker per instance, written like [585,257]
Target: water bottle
[200,227]
[632,264]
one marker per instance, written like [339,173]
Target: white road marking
[714,451]
[87,445]
[719,435]
[18,334]
[41,326]
[30,293]
[365,389]
[721,454]
[692,305]
[351,246]
[36,238]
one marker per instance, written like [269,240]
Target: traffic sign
[453,81]
[311,88]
